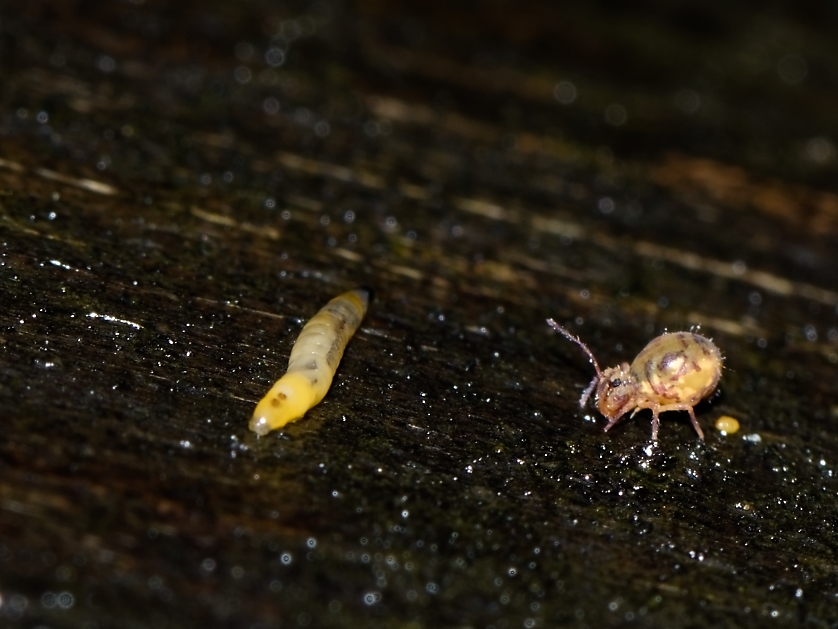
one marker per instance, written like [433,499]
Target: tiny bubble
[688,101]
[606,205]
[106,64]
[242,74]
[275,57]
[616,115]
[565,92]
[371,598]
[270,106]
[792,69]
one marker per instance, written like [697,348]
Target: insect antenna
[576,340]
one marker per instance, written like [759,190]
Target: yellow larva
[314,359]
[727,425]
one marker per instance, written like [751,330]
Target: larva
[314,359]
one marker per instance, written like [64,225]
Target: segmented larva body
[314,359]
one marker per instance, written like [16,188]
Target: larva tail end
[364,294]
[288,400]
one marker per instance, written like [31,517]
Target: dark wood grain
[182,185]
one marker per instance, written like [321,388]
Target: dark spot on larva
[281,396]
[275,402]
[683,339]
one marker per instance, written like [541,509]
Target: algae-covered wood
[183,185]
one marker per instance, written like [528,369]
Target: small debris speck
[727,425]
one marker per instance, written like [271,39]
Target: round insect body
[674,372]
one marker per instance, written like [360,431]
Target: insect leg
[587,392]
[682,407]
[695,422]
[656,424]
[613,421]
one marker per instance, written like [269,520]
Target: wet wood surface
[182,187]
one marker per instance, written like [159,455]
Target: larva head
[616,391]
[289,399]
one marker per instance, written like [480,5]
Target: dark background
[183,184]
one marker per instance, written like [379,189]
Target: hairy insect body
[679,367]
[674,372]
[313,362]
